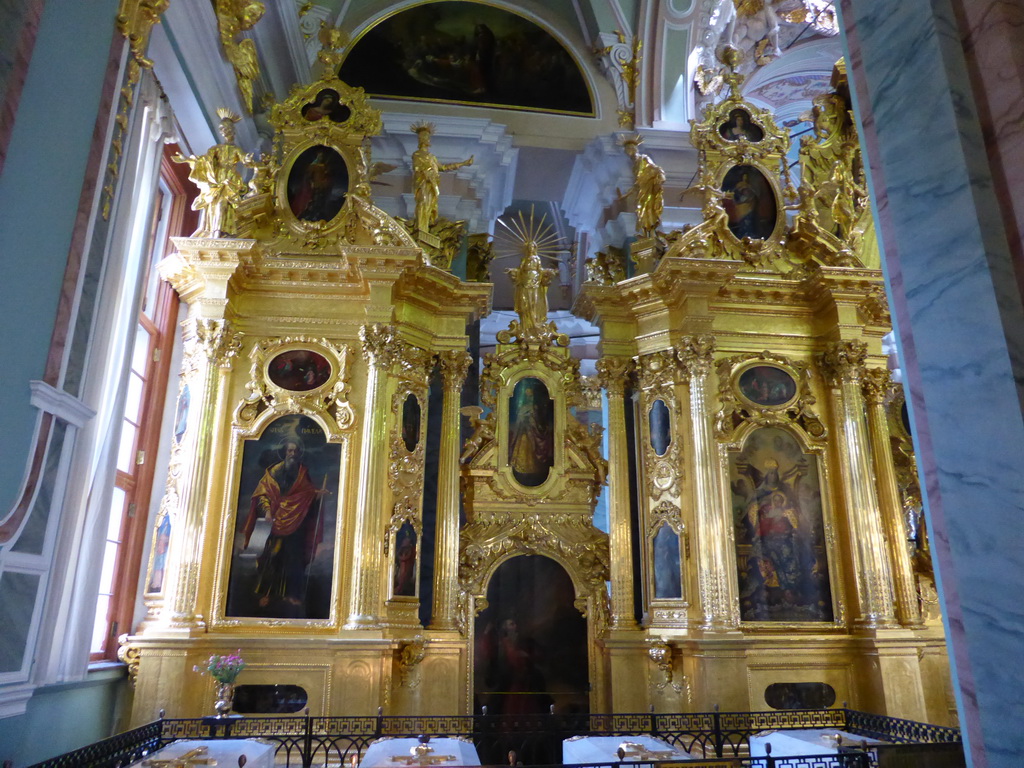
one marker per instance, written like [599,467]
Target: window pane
[126,451]
[99,630]
[107,575]
[133,400]
[116,515]
[140,352]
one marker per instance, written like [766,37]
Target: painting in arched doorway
[531,642]
[779,526]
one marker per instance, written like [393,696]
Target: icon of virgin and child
[783,569]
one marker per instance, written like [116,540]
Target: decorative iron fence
[721,738]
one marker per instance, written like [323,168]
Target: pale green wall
[40,186]
[61,718]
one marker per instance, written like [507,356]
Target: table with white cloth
[605,749]
[397,752]
[258,754]
[806,741]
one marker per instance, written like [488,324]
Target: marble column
[210,346]
[843,363]
[718,601]
[614,372]
[938,93]
[454,365]
[365,607]
[876,387]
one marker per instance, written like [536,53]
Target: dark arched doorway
[531,642]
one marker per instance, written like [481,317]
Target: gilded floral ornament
[298,374]
[742,401]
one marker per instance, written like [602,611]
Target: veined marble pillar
[365,605]
[908,611]
[843,363]
[210,345]
[454,365]
[715,575]
[938,93]
[613,372]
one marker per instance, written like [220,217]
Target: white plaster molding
[278,31]
[69,408]
[14,699]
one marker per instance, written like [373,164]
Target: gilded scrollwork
[330,396]
[130,655]
[736,410]
[657,375]
[568,538]
[660,652]
[411,653]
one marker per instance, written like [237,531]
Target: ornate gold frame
[835,571]
[252,415]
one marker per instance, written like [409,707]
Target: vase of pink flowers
[224,670]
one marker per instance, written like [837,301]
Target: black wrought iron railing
[714,738]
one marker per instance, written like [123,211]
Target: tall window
[140,423]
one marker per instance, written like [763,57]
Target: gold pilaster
[613,372]
[365,611]
[210,345]
[876,387]
[717,590]
[454,366]
[843,365]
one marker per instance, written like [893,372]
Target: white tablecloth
[806,741]
[604,749]
[380,752]
[225,751]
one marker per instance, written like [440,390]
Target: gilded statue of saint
[221,185]
[648,184]
[426,172]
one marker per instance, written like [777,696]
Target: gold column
[717,600]
[210,346]
[454,365]
[843,363]
[365,609]
[613,372]
[876,386]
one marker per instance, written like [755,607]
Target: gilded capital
[216,340]
[696,353]
[656,369]
[454,366]
[876,383]
[844,360]
[613,373]
[379,342]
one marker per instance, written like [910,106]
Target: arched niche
[531,641]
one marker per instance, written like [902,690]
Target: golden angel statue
[648,184]
[221,185]
[233,18]
[426,172]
